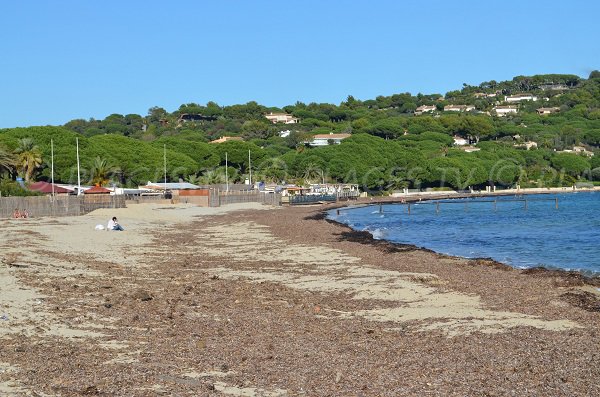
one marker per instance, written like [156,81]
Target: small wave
[378,234]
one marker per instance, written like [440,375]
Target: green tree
[477,127]
[29,158]
[573,164]
[101,172]
[7,160]
[260,129]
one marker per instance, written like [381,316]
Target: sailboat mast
[78,172]
[52,162]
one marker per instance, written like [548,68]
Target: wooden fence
[37,206]
[245,197]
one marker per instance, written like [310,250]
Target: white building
[580,150]
[527,145]
[458,108]
[424,109]
[327,139]
[504,110]
[545,111]
[484,95]
[520,97]
[460,141]
[282,118]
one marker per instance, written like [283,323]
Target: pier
[438,203]
[465,202]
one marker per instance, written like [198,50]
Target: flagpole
[52,157]
[165,165]
[250,168]
[78,173]
[226,175]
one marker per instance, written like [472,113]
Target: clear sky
[67,59]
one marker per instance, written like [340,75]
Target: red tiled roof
[45,187]
[97,190]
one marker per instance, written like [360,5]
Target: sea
[519,233]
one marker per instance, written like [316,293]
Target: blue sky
[67,59]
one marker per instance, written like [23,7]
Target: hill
[538,130]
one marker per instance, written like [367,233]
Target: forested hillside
[547,137]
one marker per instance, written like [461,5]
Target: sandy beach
[250,300]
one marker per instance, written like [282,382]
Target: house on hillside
[520,97]
[224,139]
[527,145]
[504,110]
[424,109]
[458,108]
[282,118]
[580,150]
[460,141]
[484,95]
[328,139]
[545,111]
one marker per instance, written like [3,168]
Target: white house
[504,110]
[484,95]
[527,145]
[520,97]
[582,150]
[458,108]
[424,109]
[281,118]
[545,111]
[326,139]
[460,141]
[284,134]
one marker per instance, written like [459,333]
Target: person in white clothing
[113,224]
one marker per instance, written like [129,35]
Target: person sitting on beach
[113,224]
[24,214]
[16,213]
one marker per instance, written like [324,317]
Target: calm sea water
[539,235]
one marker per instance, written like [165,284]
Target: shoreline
[591,278]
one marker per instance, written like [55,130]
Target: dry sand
[247,300]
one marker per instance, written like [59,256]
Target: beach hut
[47,188]
[97,190]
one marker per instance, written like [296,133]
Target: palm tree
[193,179]
[101,171]
[313,173]
[7,160]
[212,177]
[29,158]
